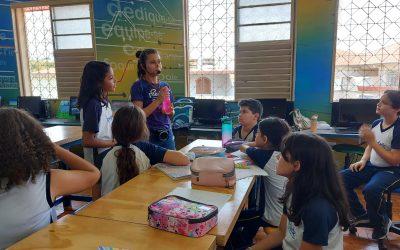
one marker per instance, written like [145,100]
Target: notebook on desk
[174,172]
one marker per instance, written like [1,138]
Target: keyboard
[346,130]
[204,125]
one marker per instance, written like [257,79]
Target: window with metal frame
[367,48]
[211,40]
[58,41]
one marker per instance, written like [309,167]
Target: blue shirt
[259,156]
[154,152]
[91,115]
[147,92]
[318,219]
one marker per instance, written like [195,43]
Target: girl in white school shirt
[315,204]
[28,185]
[96,114]
[130,156]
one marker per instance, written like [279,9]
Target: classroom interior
[330,58]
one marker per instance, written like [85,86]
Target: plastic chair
[395,227]
[350,151]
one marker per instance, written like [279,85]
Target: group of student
[121,145]
[304,195]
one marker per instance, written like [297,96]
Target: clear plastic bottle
[226,129]
[314,123]
[166,104]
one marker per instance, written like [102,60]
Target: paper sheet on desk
[212,198]
[251,171]
[240,154]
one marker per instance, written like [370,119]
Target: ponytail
[126,164]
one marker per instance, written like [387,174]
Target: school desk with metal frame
[66,137]
[79,232]
[130,201]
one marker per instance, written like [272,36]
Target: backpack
[300,121]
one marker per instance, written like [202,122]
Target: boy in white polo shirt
[379,167]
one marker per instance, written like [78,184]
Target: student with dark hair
[96,114]
[250,113]
[315,204]
[130,156]
[28,184]
[378,168]
[148,93]
[264,151]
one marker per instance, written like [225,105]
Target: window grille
[367,48]
[211,38]
[40,51]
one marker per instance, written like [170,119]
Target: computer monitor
[354,112]
[32,104]
[73,106]
[208,110]
[274,107]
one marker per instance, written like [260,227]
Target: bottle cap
[226,119]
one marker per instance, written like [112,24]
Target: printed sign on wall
[9,87]
[124,27]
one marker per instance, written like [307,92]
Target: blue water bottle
[226,129]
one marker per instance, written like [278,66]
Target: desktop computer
[354,112]
[46,109]
[208,112]
[32,104]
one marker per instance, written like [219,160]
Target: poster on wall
[9,86]
[124,27]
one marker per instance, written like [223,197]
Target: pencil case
[182,216]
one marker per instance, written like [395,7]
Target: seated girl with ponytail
[131,156]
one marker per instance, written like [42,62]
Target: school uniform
[274,185]
[146,154]
[25,209]
[272,188]
[319,226]
[251,136]
[378,175]
[96,118]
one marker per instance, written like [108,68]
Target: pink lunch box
[182,216]
[213,171]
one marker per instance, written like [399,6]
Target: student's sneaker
[362,219]
[381,232]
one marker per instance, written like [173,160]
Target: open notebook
[174,172]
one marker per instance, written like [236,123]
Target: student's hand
[358,166]
[164,91]
[366,134]
[243,147]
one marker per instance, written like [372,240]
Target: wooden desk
[65,136]
[130,201]
[78,232]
